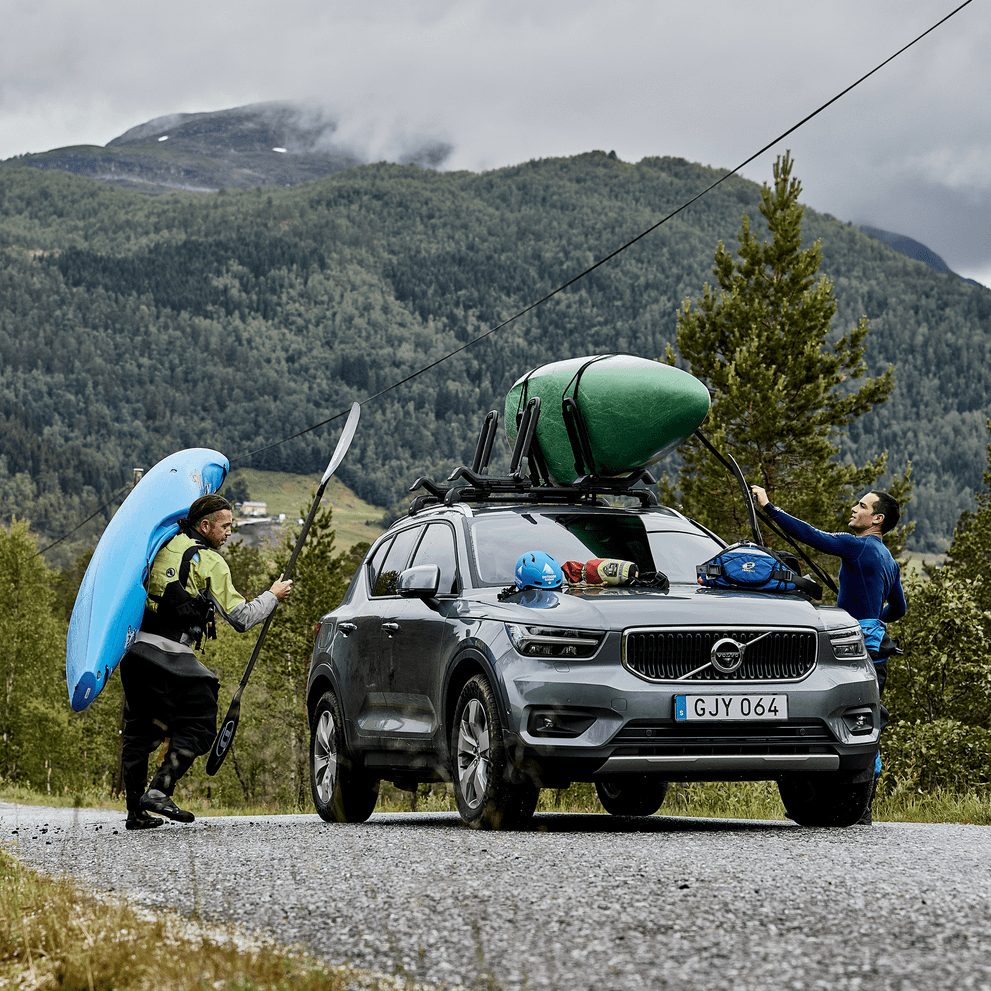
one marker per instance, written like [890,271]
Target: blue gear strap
[874,631]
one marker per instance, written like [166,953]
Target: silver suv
[434,668]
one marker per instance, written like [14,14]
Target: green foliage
[940,689]
[235,489]
[762,344]
[36,736]
[942,754]
[131,327]
[249,568]
[65,584]
[969,554]
[945,672]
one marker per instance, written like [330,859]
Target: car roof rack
[528,479]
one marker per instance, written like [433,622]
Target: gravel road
[581,902]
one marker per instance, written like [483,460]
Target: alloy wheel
[325,756]
[474,767]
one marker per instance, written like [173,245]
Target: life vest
[176,611]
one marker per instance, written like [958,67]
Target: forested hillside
[131,327]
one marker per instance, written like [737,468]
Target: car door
[419,637]
[373,637]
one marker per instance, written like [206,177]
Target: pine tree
[761,342]
[969,553]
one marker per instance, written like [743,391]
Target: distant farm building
[254,509]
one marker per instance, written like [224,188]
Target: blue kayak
[111,600]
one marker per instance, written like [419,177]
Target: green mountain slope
[133,326]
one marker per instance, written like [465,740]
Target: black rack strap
[574,422]
[730,462]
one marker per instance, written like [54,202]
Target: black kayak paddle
[226,735]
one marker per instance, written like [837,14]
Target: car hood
[613,608]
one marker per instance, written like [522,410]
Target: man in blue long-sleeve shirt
[870,579]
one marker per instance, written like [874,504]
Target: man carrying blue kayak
[870,587]
[169,693]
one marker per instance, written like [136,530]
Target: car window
[677,553]
[437,547]
[395,561]
[500,540]
[375,562]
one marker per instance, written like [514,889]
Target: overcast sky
[505,81]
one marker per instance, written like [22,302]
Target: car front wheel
[631,795]
[340,792]
[478,757]
[826,799]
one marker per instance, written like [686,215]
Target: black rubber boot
[141,820]
[158,802]
[172,768]
[158,797]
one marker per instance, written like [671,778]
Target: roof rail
[528,479]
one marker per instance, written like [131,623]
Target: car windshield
[500,540]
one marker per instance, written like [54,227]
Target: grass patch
[282,492]
[54,934]
[708,800]
[717,800]
[704,800]
[100,798]
[900,804]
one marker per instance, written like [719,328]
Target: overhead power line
[613,254]
[580,275]
[116,497]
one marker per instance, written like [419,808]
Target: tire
[631,795]
[827,799]
[340,792]
[479,763]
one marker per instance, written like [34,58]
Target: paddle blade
[347,435]
[225,737]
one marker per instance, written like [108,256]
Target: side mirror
[420,582]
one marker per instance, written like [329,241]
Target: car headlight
[552,641]
[848,643]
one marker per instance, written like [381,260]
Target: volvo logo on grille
[727,655]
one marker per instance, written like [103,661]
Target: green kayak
[635,411]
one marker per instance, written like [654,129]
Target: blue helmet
[536,569]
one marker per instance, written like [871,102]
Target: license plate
[730,708]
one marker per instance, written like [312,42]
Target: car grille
[646,736]
[643,738]
[670,655]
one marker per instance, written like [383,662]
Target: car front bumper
[593,719]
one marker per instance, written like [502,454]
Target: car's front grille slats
[670,655]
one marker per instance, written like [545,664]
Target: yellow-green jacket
[166,632]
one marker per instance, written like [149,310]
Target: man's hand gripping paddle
[226,735]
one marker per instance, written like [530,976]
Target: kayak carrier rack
[528,479]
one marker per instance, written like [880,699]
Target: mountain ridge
[275,143]
[259,144]
[915,250]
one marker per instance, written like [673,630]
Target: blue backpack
[758,569]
